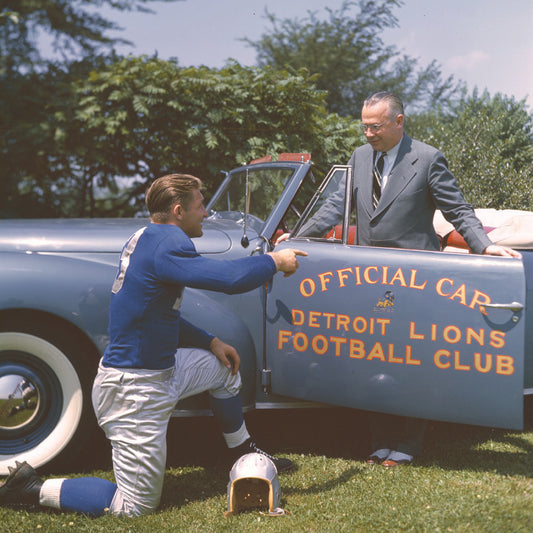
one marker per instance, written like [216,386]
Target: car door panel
[400,331]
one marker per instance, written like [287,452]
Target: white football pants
[133,407]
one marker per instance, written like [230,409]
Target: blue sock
[228,412]
[88,495]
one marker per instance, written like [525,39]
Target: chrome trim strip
[190,413]
[290,405]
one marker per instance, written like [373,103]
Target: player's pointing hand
[286,260]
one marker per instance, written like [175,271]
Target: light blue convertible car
[440,335]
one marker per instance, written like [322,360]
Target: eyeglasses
[373,127]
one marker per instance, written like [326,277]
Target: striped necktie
[376,182]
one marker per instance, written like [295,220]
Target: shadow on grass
[330,432]
[330,484]
[334,432]
[343,433]
[181,488]
[456,447]
[463,447]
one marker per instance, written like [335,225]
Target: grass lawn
[469,479]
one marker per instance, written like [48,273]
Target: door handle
[515,307]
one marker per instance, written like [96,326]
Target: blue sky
[486,43]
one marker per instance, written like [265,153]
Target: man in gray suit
[415,181]
[395,200]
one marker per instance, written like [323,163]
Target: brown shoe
[390,463]
[377,456]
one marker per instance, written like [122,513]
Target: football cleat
[22,486]
[282,464]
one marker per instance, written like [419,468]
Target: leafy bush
[488,142]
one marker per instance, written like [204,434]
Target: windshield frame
[346,211]
[301,171]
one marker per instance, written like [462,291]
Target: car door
[426,334]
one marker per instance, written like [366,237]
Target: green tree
[348,54]
[33,89]
[140,118]
[488,142]
[75,28]
[39,174]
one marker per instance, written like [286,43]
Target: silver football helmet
[253,483]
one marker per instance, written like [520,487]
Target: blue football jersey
[156,264]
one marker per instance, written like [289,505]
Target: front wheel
[45,411]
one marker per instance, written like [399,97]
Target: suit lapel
[402,173]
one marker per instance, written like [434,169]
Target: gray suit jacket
[419,183]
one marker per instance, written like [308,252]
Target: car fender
[73,289]
[199,308]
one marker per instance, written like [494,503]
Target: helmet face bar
[253,483]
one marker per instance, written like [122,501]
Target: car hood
[92,235]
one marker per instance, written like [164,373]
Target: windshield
[265,186]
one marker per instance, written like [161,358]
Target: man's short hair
[170,190]
[395,104]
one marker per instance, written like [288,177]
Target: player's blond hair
[170,190]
